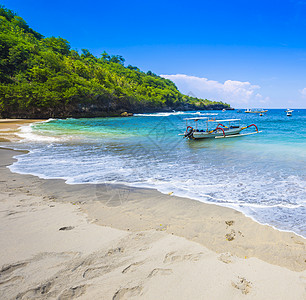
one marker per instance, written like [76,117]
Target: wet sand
[9,128]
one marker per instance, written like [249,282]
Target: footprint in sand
[226,257]
[127,293]
[230,223]
[37,292]
[144,248]
[11,280]
[8,269]
[73,292]
[115,250]
[95,272]
[132,267]
[13,213]
[243,285]
[159,271]
[240,233]
[173,257]
[230,236]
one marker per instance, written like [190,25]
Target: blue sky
[247,53]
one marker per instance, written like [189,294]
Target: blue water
[262,175]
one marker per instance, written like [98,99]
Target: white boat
[232,129]
[223,110]
[289,112]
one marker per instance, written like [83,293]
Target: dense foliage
[43,77]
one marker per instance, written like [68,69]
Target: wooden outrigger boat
[220,131]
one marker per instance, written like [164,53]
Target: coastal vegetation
[43,77]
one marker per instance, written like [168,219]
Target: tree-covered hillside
[42,77]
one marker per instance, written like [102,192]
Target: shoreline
[143,243]
[131,186]
[9,128]
[16,123]
[138,209]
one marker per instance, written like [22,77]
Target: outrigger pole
[235,135]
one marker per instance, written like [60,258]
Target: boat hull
[207,135]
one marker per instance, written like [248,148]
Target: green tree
[43,77]
[57,45]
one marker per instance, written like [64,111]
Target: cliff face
[96,110]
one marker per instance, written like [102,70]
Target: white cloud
[232,92]
[303,92]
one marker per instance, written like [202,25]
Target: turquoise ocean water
[262,175]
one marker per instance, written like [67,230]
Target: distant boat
[289,112]
[255,111]
[223,109]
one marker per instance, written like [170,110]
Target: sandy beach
[96,241]
[9,128]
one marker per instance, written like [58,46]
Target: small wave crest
[27,133]
[175,113]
